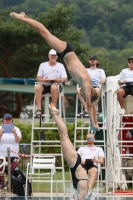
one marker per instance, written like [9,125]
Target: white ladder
[45,145]
[82,125]
[120,169]
[115,126]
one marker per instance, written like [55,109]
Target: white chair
[42,169]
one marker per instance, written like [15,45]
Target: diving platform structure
[114,128]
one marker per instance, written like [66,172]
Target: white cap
[52,52]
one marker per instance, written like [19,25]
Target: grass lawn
[45,186]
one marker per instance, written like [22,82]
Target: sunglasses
[130,61]
[92,59]
[90,138]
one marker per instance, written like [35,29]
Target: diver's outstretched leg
[53,41]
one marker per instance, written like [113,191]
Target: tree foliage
[100,27]
[110,20]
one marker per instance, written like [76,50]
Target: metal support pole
[9,170]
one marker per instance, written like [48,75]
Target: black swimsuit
[74,178]
[68,49]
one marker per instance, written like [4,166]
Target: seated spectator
[98,78]
[51,73]
[126,82]
[9,138]
[90,157]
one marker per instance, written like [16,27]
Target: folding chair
[42,168]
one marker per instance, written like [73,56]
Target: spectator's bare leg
[95,116]
[38,93]
[54,93]
[120,96]
[93,175]
[98,91]
[81,99]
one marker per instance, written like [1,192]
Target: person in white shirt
[50,74]
[126,82]
[98,78]
[91,155]
[10,136]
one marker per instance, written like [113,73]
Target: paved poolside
[62,198]
[46,196]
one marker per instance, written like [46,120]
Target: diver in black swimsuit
[75,68]
[74,178]
[79,176]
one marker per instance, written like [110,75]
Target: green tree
[106,22]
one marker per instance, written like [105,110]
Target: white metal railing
[116,126]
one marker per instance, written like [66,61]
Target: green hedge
[26,130]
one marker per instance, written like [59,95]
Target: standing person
[98,78]
[66,52]
[90,157]
[126,82]
[79,176]
[10,136]
[51,73]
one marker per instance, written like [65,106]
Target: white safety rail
[112,125]
[110,85]
[42,144]
[115,126]
[82,125]
[121,169]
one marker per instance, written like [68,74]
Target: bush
[26,130]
